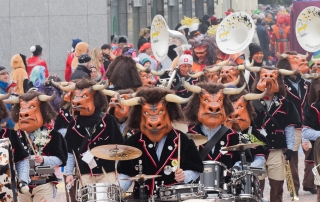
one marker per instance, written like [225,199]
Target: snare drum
[182,192]
[100,192]
[213,176]
[245,186]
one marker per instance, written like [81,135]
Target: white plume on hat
[32,49]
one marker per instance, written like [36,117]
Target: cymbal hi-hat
[197,138]
[115,152]
[240,147]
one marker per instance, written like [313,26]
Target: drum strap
[210,144]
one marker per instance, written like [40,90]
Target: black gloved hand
[288,154]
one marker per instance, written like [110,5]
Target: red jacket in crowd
[68,71]
[36,61]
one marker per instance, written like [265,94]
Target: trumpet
[289,180]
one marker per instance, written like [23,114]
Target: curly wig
[205,40]
[123,73]
[47,112]
[153,96]
[191,111]
[3,111]
[282,89]
[100,99]
[251,111]
[283,63]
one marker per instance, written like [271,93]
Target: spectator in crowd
[107,55]
[18,73]
[205,23]
[268,18]
[4,85]
[97,61]
[82,71]
[94,75]
[36,60]
[267,27]
[263,38]
[146,62]
[146,52]
[280,35]
[144,37]
[71,55]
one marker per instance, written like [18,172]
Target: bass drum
[100,192]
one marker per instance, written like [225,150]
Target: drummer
[90,128]
[208,110]
[152,113]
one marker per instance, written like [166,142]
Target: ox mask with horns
[209,105]
[146,75]
[316,65]
[268,78]
[88,96]
[153,111]
[240,119]
[293,61]
[32,110]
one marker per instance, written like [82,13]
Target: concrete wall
[51,24]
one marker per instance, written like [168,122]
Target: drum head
[235,33]
[307,29]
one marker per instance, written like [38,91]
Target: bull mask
[316,66]
[155,120]
[146,79]
[121,111]
[30,118]
[211,110]
[298,62]
[268,78]
[239,120]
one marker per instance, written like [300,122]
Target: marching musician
[90,128]
[153,110]
[276,118]
[184,68]
[297,89]
[33,113]
[20,155]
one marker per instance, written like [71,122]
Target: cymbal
[197,138]
[116,152]
[240,147]
[142,176]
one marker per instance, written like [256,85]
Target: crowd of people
[120,94]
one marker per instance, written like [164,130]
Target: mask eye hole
[206,100]
[219,100]
[84,96]
[160,112]
[31,107]
[146,113]
[239,107]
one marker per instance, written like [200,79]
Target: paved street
[303,196]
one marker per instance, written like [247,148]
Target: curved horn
[255,96]
[242,67]
[223,63]
[287,72]
[196,75]
[176,99]
[304,56]
[4,96]
[110,93]
[315,60]
[57,84]
[155,73]
[310,76]
[133,94]
[234,83]
[68,88]
[252,69]
[233,91]
[14,100]
[98,87]
[44,98]
[215,68]
[283,55]
[131,102]
[191,88]
[140,67]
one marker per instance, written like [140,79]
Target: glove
[23,187]
[288,154]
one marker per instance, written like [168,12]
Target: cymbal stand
[143,196]
[242,155]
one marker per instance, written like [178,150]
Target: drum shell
[182,192]
[213,176]
[100,192]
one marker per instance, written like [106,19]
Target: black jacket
[106,60]
[293,95]
[263,37]
[190,159]
[63,119]
[106,132]
[80,73]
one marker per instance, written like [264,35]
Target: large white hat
[235,33]
[308,29]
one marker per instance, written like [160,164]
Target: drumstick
[30,143]
[78,169]
[179,151]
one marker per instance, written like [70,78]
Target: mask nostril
[150,125]
[218,110]
[210,109]
[159,125]
[26,115]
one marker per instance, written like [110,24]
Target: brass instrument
[289,180]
